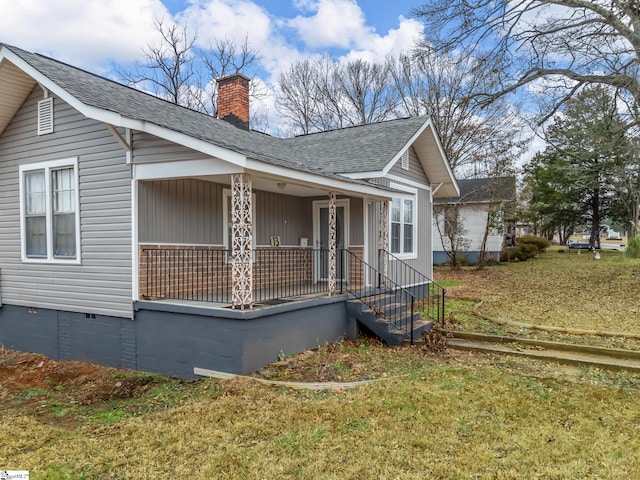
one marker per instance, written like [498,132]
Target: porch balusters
[332,243]
[383,239]
[241,242]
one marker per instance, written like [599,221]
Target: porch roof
[338,155]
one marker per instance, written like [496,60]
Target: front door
[321,238]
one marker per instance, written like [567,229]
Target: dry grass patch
[446,416]
[567,290]
[442,417]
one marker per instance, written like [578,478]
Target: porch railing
[388,299]
[429,295]
[204,274]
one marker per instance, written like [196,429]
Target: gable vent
[45,116]
[405,160]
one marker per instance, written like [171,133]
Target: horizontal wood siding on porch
[182,211]
[102,283]
[356,226]
[190,212]
[148,148]
[284,215]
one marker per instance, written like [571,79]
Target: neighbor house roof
[350,154]
[484,190]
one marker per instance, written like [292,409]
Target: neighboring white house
[481,200]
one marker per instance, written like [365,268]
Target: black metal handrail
[430,296]
[388,299]
[204,273]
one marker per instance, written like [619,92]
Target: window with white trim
[403,232]
[50,224]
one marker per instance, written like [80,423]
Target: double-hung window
[50,222]
[403,227]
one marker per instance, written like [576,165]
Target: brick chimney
[233,100]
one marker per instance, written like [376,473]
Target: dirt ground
[34,384]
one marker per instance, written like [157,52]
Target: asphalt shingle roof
[476,190]
[354,149]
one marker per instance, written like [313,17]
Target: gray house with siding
[140,234]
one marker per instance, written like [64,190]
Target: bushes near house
[527,246]
[633,248]
[525,251]
[539,243]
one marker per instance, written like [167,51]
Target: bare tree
[225,57]
[452,232]
[366,92]
[477,139]
[167,69]
[298,95]
[177,70]
[325,94]
[564,43]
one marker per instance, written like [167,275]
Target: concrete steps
[387,319]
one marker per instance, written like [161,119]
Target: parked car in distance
[613,246]
[577,244]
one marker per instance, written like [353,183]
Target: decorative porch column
[241,242]
[332,243]
[383,238]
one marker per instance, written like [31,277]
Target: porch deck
[285,296]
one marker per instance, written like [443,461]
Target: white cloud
[95,34]
[336,23]
[232,19]
[401,39]
[84,33]
[239,19]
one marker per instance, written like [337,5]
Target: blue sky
[97,34]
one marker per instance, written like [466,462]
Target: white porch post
[383,238]
[332,243]
[241,242]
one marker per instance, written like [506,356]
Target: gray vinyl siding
[423,263]
[102,283]
[148,148]
[190,211]
[415,172]
[283,215]
[183,211]
[356,226]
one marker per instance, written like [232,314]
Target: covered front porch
[241,239]
[219,246]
